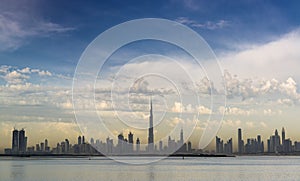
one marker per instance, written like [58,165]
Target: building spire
[151,115]
[150,130]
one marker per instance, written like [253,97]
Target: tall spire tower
[282,136]
[150,130]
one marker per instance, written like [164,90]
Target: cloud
[250,124]
[179,107]
[237,111]
[271,112]
[4,69]
[204,110]
[16,28]
[287,102]
[207,25]
[175,121]
[289,87]
[237,88]
[278,59]
[205,86]
[191,4]
[65,105]
[25,70]
[232,123]
[258,88]
[15,77]
[263,124]
[104,105]
[45,73]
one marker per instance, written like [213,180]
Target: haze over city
[257,45]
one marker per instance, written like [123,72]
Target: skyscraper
[120,145]
[138,145]
[181,137]
[259,144]
[22,141]
[228,147]
[274,143]
[150,130]
[92,141]
[79,140]
[15,141]
[130,141]
[109,145]
[160,146]
[189,147]
[283,138]
[240,141]
[219,145]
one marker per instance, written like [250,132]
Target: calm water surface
[80,169]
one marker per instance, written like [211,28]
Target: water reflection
[78,169]
[16,171]
[150,172]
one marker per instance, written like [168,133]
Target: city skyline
[123,146]
[40,46]
[106,146]
[256,145]
[253,145]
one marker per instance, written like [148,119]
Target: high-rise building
[15,141]
[181,137]
[228,147]
[259,144]
[219,145]
[240,142]
[79,140]
[274,143]
[83,140]
[22,144]
[150,130]
[172,145]
[120,145]
[63,147]
[109,145]
[130,142]
[138,145]
[42,147]
[47,148]
[67,144]
[37,147]
[189,147]
[46,143]
[283,139]
[92,141]
[160,146]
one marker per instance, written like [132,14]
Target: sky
[255,42]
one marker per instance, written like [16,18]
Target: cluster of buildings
[275,144]
[282,145]
[252,146]
[223,148]
[123,146]
[19,142]
[128,146]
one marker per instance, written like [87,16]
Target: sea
[174,168]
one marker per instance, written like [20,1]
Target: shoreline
[123,155]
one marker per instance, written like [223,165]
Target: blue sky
[80,22]
[256,42]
